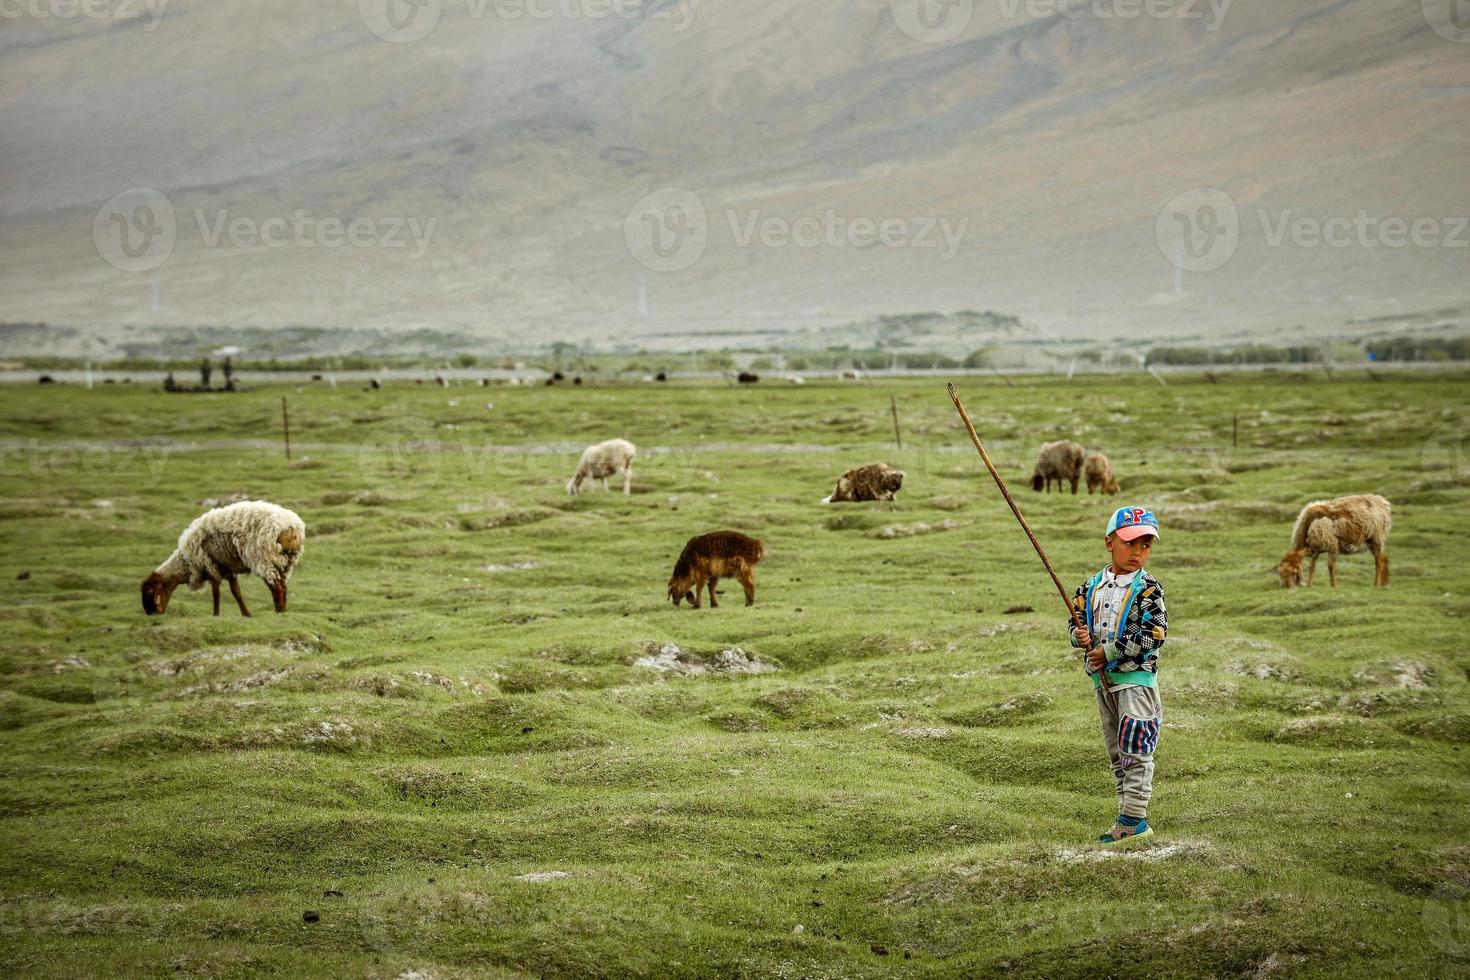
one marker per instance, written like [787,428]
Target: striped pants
[1131,734]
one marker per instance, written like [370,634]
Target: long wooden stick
[1006,493]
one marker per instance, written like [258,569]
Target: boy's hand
[1097,658]
[1084,637]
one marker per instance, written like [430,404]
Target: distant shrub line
[1391,349]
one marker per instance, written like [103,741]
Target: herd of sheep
[259,538]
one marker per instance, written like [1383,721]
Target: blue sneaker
[1120,834]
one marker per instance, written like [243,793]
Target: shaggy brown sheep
[1342,526]
[1059,461]
[1100,475]
[876,481]
[707,557]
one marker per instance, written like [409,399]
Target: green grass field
[455,701]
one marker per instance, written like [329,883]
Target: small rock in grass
[310,916]
[798,929]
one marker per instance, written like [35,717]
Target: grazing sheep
[747,378]
[251,537]
[876,481]
[709,556]
[1333,527]
[1100,476]
[1059,461]
[603,460]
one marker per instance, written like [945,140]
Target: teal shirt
[1140,630]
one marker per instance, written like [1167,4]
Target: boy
[1124,625]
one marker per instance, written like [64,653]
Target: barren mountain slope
[1021,166]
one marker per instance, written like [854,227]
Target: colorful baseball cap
[1131,523]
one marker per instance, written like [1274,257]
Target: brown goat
[1059,461]
[707,557]
[876,481]
[1100,475]
[1342,526]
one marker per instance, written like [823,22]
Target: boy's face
[1129,556]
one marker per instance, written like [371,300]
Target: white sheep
[250,537]
[603,460]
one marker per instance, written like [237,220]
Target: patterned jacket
[1134,653]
